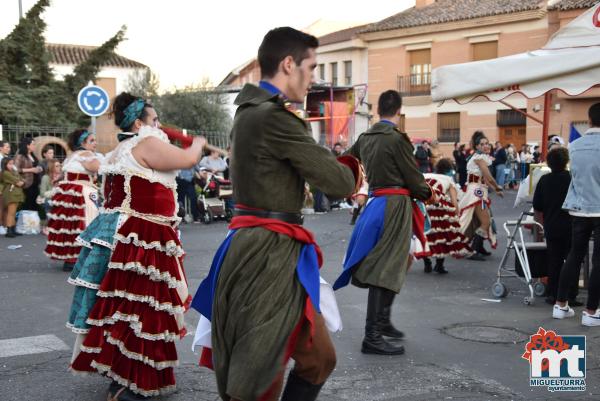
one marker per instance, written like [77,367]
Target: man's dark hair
[557,159]
[389,103]
[443,166]
[594,115]
[281,42]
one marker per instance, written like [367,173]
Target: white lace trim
[71,192]
[106,370]
[444,230]
[140,357]
[444,208]
[151,271]
[77,330]
[82,283]
[154,218]
[69,244]
[66,204]
[61,257]
[135,325]
[462,252]
[171,248]
[118,169]
[445,241]
[103,243]
[147,299]
[83,242]
[64,231]
[64,217]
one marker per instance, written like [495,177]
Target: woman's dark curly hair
[476,138]
[73,139]
[443,166]
[23,144]
[557,159]
[119,105]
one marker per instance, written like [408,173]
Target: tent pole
[331,115]
[547,102]
[537,120]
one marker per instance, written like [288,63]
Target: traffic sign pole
[93,126]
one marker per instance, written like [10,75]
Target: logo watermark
[556,362]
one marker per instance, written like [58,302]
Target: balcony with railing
[415,84]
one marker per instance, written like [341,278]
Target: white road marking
[31,345]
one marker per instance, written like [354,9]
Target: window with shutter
[449,127]
[484,50]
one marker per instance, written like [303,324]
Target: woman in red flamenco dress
[131,290]
[74,200]
[444,238]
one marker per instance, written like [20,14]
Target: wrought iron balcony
[415,84]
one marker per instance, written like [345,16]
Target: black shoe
[484,251]
[439,268]
[477,245]
[477,256]
[575,302]
[391,331]
[428,267]
[298,389]
[381,347]
[10,232]
[117,392]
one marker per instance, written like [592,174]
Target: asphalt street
[460,344]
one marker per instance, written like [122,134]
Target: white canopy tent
[569,62]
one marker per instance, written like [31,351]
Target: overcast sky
[186,40]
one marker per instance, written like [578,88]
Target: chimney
[423,3]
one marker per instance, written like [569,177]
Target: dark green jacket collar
[382,128]
[252,94]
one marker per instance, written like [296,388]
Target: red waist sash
[418,219]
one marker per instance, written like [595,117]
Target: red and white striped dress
[138,313]
[73,207]
[444,238]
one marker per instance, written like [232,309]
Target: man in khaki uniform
[378,253]
[260,313]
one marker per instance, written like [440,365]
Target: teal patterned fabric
[91,266]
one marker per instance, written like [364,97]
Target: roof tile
[76,54]
[452,10]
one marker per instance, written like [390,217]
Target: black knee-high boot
[477,244]
[298,389]
[378,323]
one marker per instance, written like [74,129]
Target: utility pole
[20,10]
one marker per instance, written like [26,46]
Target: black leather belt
[292,218]
[388,187]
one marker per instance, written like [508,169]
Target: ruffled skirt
[73,207]
[138,310]
[445,238]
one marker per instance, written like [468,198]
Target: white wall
[121,75]
[346,51]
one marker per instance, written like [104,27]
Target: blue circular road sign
[93,100]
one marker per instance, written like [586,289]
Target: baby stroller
[213,199]
[530,260]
